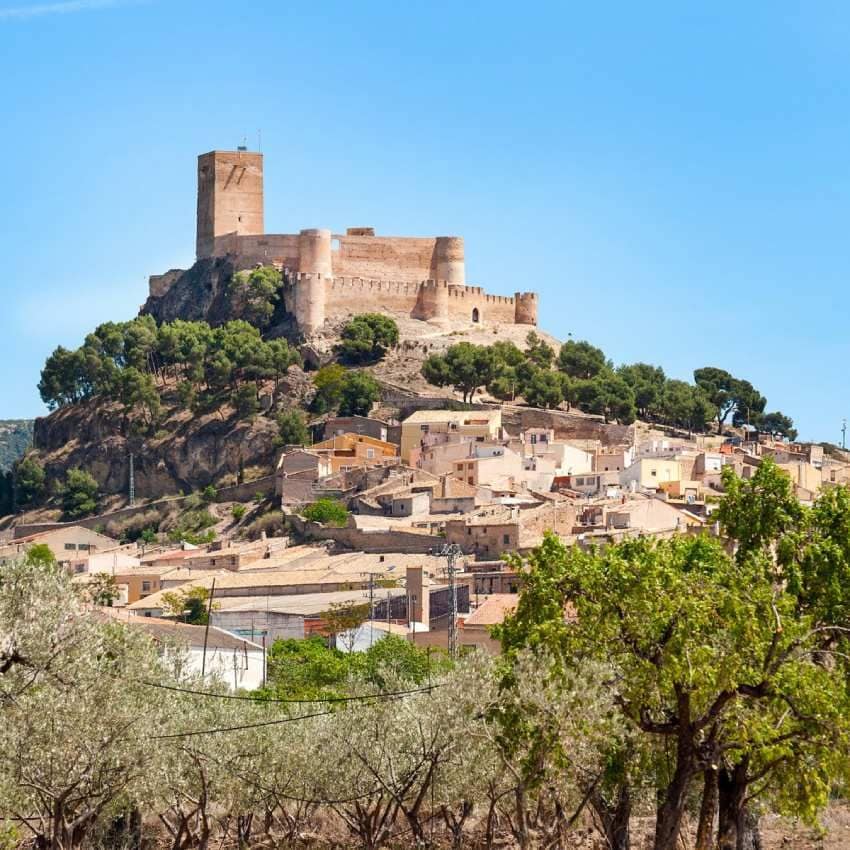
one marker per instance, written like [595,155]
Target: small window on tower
[334,244]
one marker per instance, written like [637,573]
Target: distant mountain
[15,439]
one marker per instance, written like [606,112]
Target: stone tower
[230,197]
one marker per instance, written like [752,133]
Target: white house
[236,662]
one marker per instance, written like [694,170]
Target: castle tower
[315,272]
[230,197]
[525,308]
[448,261]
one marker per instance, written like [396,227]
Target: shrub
[245,400]
[367,338]
[359,392]
[209,494]
[238,511]
[79,494]
[29,477]
[292,427]
[327,512]
[273,524]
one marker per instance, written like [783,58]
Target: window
[424,428]
[470,480]
[146,587]
[654,473]
[334,244]
[506,539]
[370,453]
[71,546]
[469,529]
[475,314]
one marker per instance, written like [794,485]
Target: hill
[15,438]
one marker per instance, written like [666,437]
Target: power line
[260,699]
[241,726]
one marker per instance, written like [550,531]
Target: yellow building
[352,451]
[803,474]
[649,473]
[484,424]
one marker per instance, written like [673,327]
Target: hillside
[15,437]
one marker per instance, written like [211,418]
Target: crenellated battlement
[318,296]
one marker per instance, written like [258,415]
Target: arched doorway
[474,314]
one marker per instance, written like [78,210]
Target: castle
[335,275]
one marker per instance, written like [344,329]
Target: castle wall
[401,258]
[350,296]
[463,300]
[279,250]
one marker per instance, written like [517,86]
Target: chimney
[419,599]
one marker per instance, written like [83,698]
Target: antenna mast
[132,480]
[450,552]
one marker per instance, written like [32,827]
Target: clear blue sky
[672,178]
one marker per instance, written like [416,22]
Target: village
[438,511]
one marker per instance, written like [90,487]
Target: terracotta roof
[160,629]
[493,610]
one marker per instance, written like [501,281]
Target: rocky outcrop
[203,294]
[187,453]
[197,294]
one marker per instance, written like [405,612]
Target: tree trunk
[668,821]
[732,789]
[708,811]
[615,819]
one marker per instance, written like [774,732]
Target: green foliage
[15,439]
[327,512]
[255,294]
[776,424]
[126,362]
[209,494]
[367,338]
[729,395]
[581,360]
[191,525]
[647,384]
[30,481]
[40,554]
[79,494]
[711,659]
[543,388]
[244,399]
[190,605]
[608,395]
[292,428]
[103,589]
[7,493]
[237,512]
[328,382]
[272,524]
[465,366]
[539,352]
[308,669]
[358,393]
[137,389]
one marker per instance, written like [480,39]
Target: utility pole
[207,630]
[843,433]
[450,552]
[371,605]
